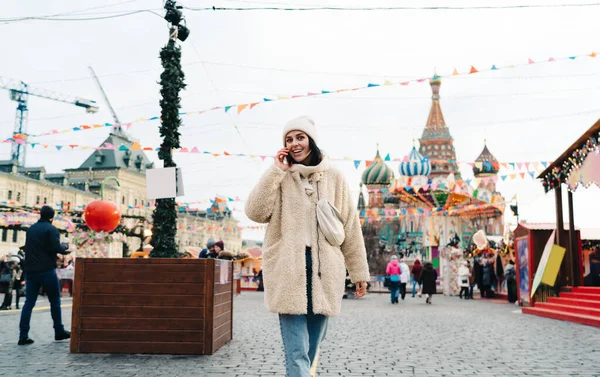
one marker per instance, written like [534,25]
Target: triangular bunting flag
[572,57]
[551,59]
[370,85]
[473,70]
[387,157]
[253,104]
[455,72]
[123,148]
[267,99]
[532,174]
[494,68]
[503,177]
[136,146]
[59,147]
[325,92]
[227,108]
[387,82]
[242,107]
[368,163]
[356,163]
[536,165]
[592,55]
[529,61]
[404,83]
[527,166]
[195,150]
[422,79]
[544,164]
[519,165]
[184,150]
[513,175]
[522,175]
[504,165]
[263,157]
[436,77]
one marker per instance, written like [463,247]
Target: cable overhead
[287,9]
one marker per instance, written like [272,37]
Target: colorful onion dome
[378,173]
[416,165]
[486,163]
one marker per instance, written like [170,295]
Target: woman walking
[304,267]
[393,271]
[416,277]
[510,274]
[463,280]
[428,279]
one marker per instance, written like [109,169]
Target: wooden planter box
[162,306]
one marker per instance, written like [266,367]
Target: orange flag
[522,175]
[136,146]
[455,72]
[593,54]
[253,104]
[242,107]
[473,70]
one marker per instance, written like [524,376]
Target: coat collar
[306,171]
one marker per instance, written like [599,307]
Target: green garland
[559,174]
[164,217]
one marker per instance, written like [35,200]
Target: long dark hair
[316,156]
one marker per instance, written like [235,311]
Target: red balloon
[102,215]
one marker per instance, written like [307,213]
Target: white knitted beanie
[305,124]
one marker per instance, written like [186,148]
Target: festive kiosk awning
[579,164]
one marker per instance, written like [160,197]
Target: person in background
[7,265]
[404,277]
[210,248]
[428,280]
[42,245]
[463,280]
[393,271]
[510,274]
[217,248]
[416,277]
[471,279]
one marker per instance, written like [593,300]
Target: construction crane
[20,92]
[112,111]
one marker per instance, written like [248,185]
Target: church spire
[436,142]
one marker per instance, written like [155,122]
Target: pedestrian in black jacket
[42,244]
[428,280]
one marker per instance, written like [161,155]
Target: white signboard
[164,183]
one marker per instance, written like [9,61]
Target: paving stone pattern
[452,337]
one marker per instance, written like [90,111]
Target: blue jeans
[394,291]
[414,289]
[33,282]
[302,334]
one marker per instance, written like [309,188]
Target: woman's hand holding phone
[282,160]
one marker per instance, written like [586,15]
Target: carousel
[428,218]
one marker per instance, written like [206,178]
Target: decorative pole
[164,218]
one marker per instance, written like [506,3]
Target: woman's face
[297,143]
[217,248]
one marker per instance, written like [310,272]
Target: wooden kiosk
[156,305]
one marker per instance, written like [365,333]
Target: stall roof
[566,154]
[590,233]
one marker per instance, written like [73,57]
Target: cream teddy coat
[277,200]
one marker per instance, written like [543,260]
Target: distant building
[23,190]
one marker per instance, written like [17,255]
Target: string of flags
[239,108]
[526,165]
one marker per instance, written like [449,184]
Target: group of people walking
[12,278]
[398,275]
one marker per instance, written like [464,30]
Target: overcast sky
[528,113]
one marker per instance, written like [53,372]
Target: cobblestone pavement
[371,338]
